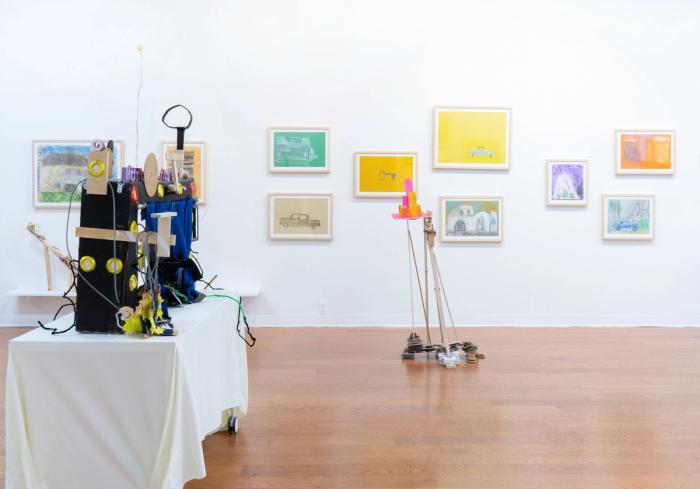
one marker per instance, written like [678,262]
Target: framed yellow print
[382,174]
[472,138]
[195,164]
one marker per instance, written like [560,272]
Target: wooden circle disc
[150,174]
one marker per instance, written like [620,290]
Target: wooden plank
[97,185]
[109,235]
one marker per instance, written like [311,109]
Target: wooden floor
[548,408]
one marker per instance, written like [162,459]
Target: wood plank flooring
[548,408]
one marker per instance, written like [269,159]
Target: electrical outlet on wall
[322,307]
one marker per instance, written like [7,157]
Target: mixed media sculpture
[449,354]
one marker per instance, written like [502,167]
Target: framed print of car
[300,216]
[299,149]
[628,217]
[471,138]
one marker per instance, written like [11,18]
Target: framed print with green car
[299,149]
[301,216]
[58,166]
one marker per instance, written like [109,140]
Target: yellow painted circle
[96,168]
[133,283]
[114,265]
[87,263]
[161,190]
[134,227]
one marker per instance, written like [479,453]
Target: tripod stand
[448,354]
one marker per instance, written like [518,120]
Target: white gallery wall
[372,71]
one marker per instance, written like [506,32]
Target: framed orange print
[644,152]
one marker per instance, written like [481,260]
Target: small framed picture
[58,166]
[644,152]
[471,219]
[195,164]
[383,174]
[299,149]
[567,182]
[628,217]
[301,216]
[472,138]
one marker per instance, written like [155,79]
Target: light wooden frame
[381,195]
[201,185]
[472,166]
[548,182]
[300,237]
[639,171]
[474,239]
[632,237]
[271,149]
[64,205]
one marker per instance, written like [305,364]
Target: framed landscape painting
[628,217]
[567,182]
[383,174]
[472,138]
[644,152]
[58,166]
[471,219]
[195,163]
[299,150]
[301,216]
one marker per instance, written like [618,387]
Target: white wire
[138,103]
[410,274]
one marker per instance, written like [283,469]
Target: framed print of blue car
[629,217]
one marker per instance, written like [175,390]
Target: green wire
[237,301]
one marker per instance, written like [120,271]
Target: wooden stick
[110,235]
[47,263]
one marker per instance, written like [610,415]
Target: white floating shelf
[241,292]
[38,293]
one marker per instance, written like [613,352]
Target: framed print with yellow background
[472,138]
[195,164]
[644,152]
[301,216]
[383,173]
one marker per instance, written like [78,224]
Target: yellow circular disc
[114,265]
[134,227]
[180,189]
[161,190]
[96,168]
[133,283]
[87,263]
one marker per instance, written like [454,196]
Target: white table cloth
[88,411]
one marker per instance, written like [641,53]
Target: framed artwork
[567,182]
[58,166]
[301,216]
[299,150]
[472,138]
[628,217]
[383,174]
[644,152]
[471,219]
[195,163]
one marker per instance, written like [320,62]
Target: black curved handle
[175,107]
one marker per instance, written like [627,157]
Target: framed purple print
[567,182]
